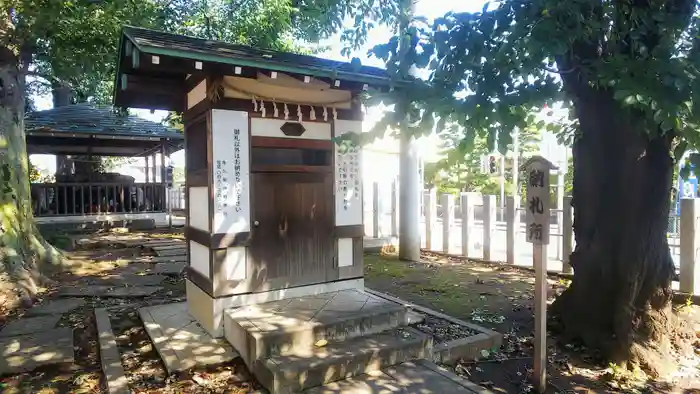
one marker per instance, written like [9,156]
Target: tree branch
[567,71]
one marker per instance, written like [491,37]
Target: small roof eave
[263,59]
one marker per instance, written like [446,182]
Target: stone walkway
[33,340]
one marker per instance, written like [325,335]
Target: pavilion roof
[87,128]
[88,118]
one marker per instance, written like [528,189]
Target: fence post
[489,224]
[512,227]
[560,208]
[430,217]
[567,236]
[394,210]
[375,209]
[467,202]
[448,204]
[690,243]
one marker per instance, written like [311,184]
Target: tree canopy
[74,42]
[627,71]
[493,70]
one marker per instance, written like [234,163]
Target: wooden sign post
[537,233]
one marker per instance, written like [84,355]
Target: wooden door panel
[292,242]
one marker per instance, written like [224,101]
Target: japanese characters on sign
[348,182]
[537,201]
[231,172]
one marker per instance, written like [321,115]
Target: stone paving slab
[60,306]
[27,352]
[112,367]
[372,383]
[108,291]
[416,378]
[181,343]
[178,245]
[30,325]
[128,279]
[157,242]
[169,268]
[407,378]
[172,252]
[155,259]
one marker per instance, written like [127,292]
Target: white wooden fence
[473,226]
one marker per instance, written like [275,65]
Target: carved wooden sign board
[537,204]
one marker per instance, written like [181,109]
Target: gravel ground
[443,330]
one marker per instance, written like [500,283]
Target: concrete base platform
[209,311]
[341,360]
[293,326]
[408,378]
[181,342]
[297,343]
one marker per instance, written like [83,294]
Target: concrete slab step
[336,361]
[288,327]
[181,251]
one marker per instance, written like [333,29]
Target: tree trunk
[22,248]
[619,301]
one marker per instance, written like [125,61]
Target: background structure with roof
[90,132]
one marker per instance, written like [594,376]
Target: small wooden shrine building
[274,203]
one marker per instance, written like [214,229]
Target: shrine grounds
[492,295]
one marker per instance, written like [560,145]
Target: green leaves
[491,70]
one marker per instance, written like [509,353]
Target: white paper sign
[231,171]
[348,178]
[537,200]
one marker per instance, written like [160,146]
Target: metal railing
[60,199]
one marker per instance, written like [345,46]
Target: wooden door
[292,241]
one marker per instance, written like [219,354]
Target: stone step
[341,360]
[287,327]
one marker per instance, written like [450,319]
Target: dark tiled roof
[198,48]
[95,119]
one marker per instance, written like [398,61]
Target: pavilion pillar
[153,169]
[146,170]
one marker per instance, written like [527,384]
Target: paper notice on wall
[231,171]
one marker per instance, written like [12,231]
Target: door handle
[256,223]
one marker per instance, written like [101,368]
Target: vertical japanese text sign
[537,200]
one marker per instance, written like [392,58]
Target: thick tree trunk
[619,299]
[22,249]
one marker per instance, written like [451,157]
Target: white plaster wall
[231,196]
[199,258]
[235,263]
[268,127]
[199,207]
[344,252]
